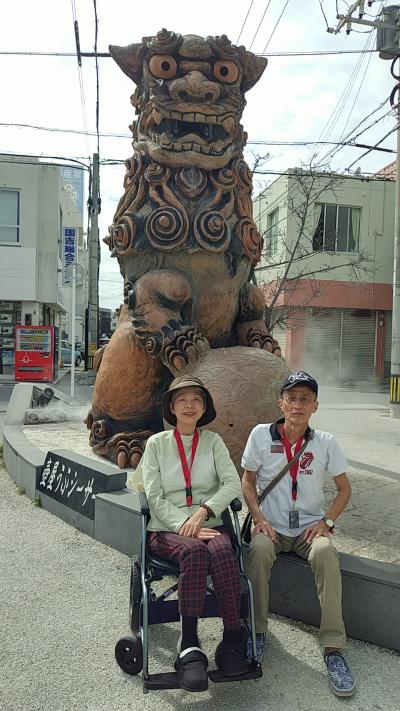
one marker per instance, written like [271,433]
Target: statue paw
[124,448]
[183,346]
[258,338]
[176,343]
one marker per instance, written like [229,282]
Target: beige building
[327,267]
[41,230]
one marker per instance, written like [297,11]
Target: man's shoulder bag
[248,522]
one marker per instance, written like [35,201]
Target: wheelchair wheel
[135,597]
[129,654]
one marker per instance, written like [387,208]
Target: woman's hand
[194,524]
[205,534]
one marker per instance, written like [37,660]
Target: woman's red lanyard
[185,468]
[295,467]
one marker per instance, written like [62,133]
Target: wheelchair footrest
[254,672]
[166,680]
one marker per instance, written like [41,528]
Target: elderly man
[292,517]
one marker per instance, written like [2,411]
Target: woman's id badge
[294,519]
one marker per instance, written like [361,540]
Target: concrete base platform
[23,461]
[371,596]
[118,521]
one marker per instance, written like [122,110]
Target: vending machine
[36,353]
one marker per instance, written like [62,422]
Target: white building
[330,240]
[41,231]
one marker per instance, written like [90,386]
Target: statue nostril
[183,94]
[209,96]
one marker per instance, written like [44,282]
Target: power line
[259,24]
[107,55]
[323,12]
[276,25]
[351,137]
[64,130]
[334,117]
[244,22]
[84,166]
[80,77]
[356,97]
[264,142]
[373,147]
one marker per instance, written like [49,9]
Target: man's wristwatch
[329,523]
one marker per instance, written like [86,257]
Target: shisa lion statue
[186,243]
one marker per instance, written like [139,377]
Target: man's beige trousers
[324,560]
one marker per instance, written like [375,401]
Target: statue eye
[163,66]
[226,71]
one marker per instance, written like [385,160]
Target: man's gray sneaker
[260,647]
[340,677]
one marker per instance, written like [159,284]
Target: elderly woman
[189,479]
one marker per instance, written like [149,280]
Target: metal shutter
[322,344]
[358,345]
[387,354]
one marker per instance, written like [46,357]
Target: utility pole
[73,324]
[94,258]
[388,44]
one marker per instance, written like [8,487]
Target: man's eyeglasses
[291,398]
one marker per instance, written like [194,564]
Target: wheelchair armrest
[144,504]
[236,505]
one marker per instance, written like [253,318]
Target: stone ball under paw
[245,386]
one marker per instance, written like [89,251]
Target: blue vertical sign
[69,250]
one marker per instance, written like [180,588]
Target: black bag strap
[286,468]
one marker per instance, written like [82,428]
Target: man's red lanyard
[185,468]
[295,467]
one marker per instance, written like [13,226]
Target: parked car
[66,352]
[79,346]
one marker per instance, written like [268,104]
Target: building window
[9,215]
[337,228]
[271,234]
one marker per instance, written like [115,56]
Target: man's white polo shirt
[265,454]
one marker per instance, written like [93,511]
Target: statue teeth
[165,138]
[212,119]
[200,118]
[188,117]
[177,146]
[157,118]
[228,124]
[205,149]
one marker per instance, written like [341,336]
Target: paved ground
[64,597]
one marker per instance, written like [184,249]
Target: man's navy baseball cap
[300,378]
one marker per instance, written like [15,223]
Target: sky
[298,99]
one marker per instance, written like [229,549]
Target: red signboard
[35,356]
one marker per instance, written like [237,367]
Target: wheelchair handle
[144,504]
[236,505]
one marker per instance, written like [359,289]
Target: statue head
[189,97]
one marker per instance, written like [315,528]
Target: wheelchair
[146,607]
